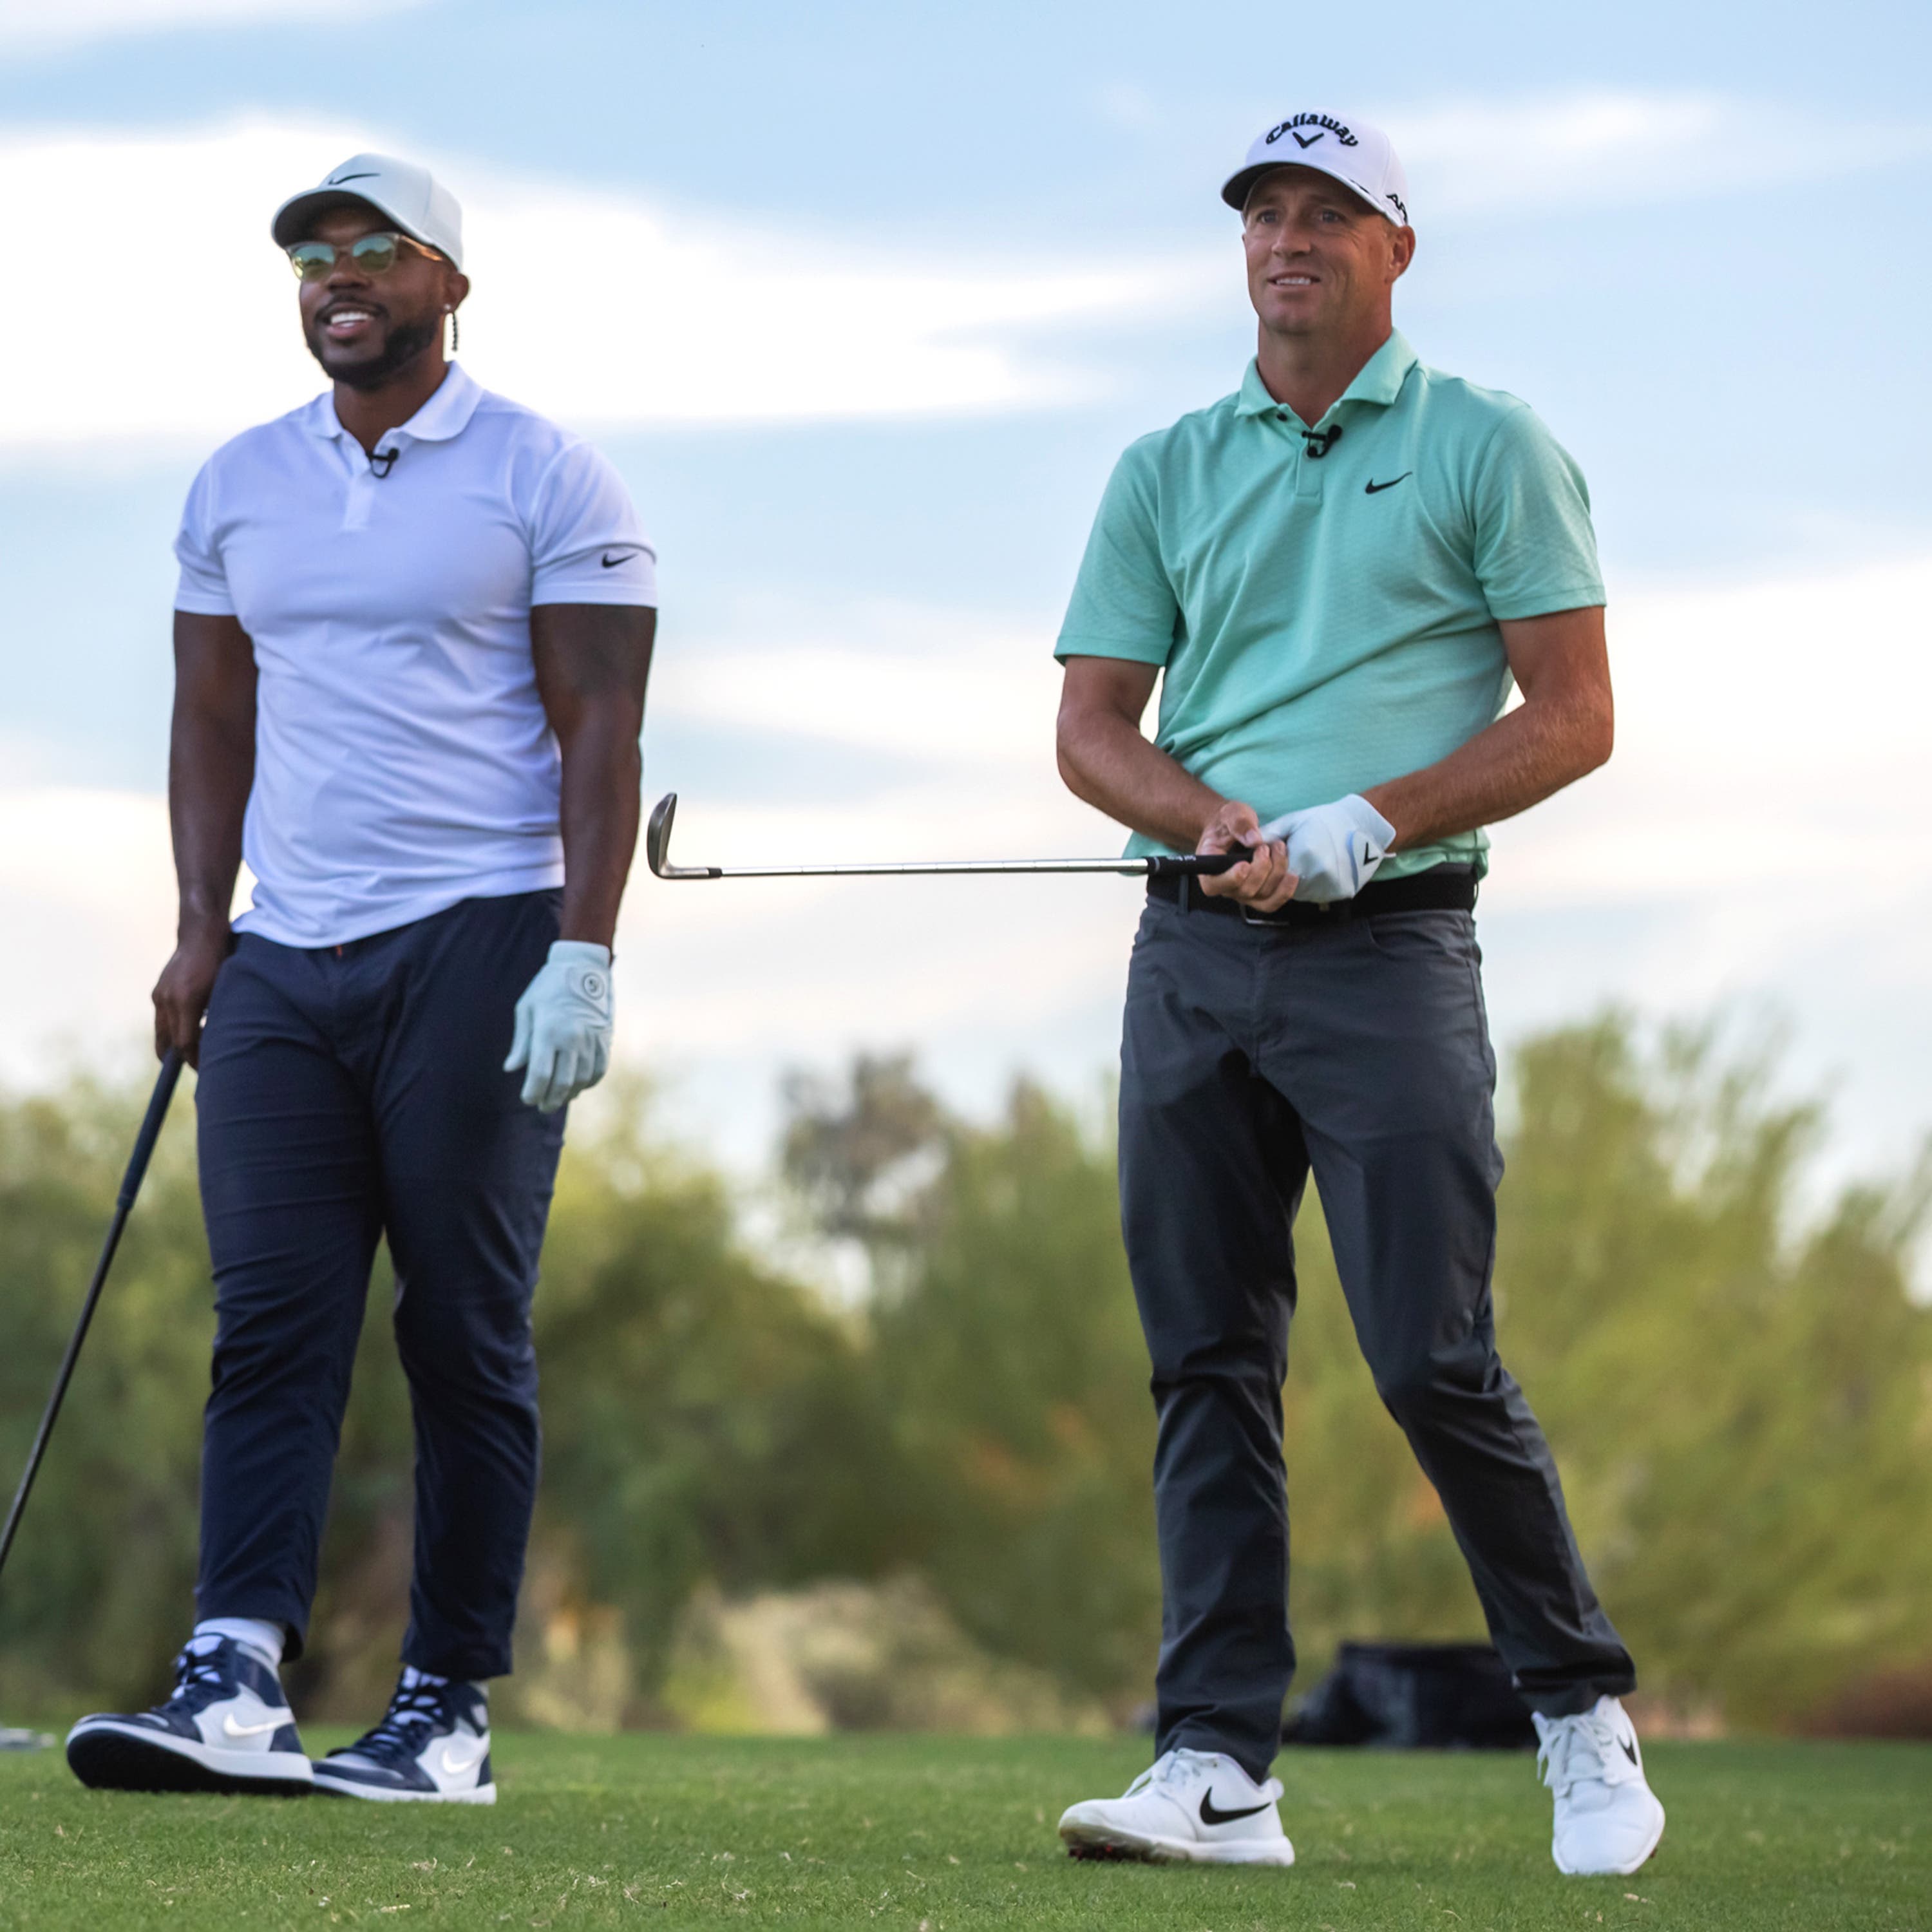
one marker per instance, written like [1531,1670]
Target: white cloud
[899,678]
[591,306]
[1771,743]
[1608,147]
[32,25]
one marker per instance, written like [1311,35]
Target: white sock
[265,1640]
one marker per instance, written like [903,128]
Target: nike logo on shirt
[612,562]
[1369,489]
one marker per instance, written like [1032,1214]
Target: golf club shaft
[131,1185]
[1159,865]
[1194,864]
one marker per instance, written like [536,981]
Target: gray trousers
[1250,1056]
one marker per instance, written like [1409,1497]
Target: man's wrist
[196,925]
[1380,799]
[1210,808]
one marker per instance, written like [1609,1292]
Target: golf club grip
[1197,865]
[165,1083]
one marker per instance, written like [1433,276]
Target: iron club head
[657,844]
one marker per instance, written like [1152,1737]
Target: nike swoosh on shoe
[1211,1813]
[235,1730]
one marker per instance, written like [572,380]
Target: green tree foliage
[705,1420]
[1012,1361]
[1739,1391]
[1737,1382]
[110,1532]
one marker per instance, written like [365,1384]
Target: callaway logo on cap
[1359,156]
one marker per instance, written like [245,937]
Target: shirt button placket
[361,494]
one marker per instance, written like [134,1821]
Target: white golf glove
[1332,849]
[563,1025]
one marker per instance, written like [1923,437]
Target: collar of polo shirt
[1378,380]
[445,414]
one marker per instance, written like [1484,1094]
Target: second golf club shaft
[131,1185]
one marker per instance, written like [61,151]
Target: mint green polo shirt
[1323,624]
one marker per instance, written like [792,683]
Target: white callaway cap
[412,197]
[1359,156]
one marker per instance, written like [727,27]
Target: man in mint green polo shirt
[1336,574]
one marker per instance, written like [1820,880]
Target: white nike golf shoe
[432,1747]
[1608,1818]
[227,1727]
[1189,1807]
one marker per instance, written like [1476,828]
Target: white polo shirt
[403,758]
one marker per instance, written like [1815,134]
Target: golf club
[131,1185]
[1160,865]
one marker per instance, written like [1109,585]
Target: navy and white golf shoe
[432,1747]
[227,1727]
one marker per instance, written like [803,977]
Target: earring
[455,329]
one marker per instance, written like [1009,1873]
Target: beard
[405,341]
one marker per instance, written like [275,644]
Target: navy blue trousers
[348,1093]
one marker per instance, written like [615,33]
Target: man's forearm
[1564,727]
[1519,761]
[593,662]
[603,770]
[211,768]
[1106,762]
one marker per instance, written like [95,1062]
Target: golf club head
[657,844]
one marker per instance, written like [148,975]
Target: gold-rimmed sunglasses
[374,254]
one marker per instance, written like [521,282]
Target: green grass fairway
[912,1832]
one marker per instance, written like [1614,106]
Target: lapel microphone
[1320,442]
[384,460]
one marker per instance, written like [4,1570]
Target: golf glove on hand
[1332,849]
[563,1025]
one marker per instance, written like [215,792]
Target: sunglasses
[374,254]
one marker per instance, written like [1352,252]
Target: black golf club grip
[1198,864]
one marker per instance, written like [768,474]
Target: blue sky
[864,300]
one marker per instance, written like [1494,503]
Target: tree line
[1730,1364]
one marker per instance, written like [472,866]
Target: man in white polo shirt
[411,641]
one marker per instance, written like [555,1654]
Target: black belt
[1441,889]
